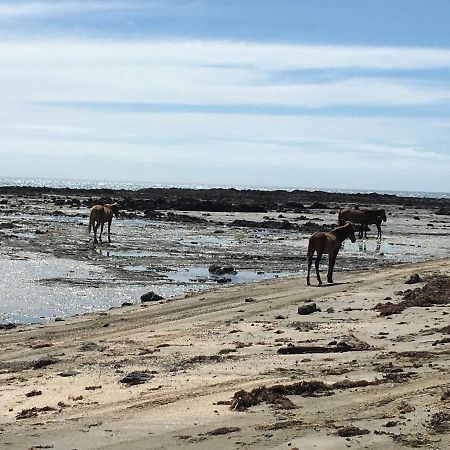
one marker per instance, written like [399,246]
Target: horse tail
[310,249]
[91,221]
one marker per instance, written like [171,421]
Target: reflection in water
[362,245]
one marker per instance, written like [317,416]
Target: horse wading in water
[363,216]
[328,242]
[101,214]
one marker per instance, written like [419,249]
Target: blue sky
[321,94]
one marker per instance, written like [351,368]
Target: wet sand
[346,376]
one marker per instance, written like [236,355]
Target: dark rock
[127,304]
[44,362]
[151,297]
[249,300]
[223,280]
[136,377]
[308,309]
[391,423]
[318,205]
[415,278]
[7,326]
[216,269]
[444,211]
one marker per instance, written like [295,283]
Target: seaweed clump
[435,292]
[277,394]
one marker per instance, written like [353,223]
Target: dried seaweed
[435,292]
[276,395]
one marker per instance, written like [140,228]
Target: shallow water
[58,272]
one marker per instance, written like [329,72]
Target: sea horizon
[137,185]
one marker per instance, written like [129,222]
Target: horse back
[322,242]
[100,213]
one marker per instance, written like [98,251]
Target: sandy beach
[259,360]
[197,352]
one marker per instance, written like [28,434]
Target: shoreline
[198,351]
[165,240]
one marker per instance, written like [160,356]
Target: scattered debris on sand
[223,430]
[347,344]
[352,431]
[435,292]
[440,422]
[33,412]
[282,425]
[276,395]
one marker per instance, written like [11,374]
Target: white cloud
[39,80]
[211,73]
[23,9]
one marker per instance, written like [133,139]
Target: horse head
[115,209]
[350,231]
[382,214]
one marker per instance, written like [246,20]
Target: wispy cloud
[211,73]
[34,9]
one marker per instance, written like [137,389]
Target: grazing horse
[363,216]
[101,214]
[330,243]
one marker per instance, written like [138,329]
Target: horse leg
[360,233]
[379,230]
[331,262]
[319,256]
[95,232]
[109,230]
[309,257]
[366,225]
[101,232]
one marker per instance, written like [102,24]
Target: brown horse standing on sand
[101,214]
[363,216]
[330,243]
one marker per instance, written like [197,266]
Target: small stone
[136,377]
[151,297]
[391,423]
[415,278]
[308,309]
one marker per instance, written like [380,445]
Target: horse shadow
[339,283]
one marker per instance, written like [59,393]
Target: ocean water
[134,186]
